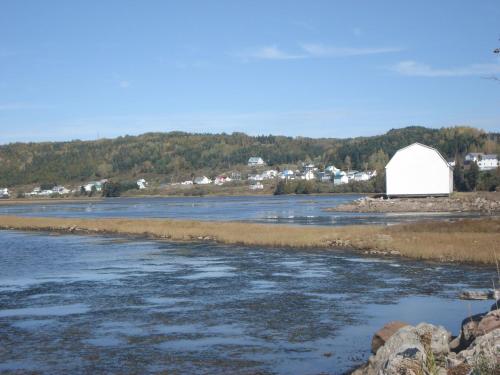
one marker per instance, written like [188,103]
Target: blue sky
[88,69]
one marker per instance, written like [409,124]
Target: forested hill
[178,154]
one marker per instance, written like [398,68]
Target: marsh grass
[471,240]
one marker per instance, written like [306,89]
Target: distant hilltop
[177,156]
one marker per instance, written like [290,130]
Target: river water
[73,304]
[289,209]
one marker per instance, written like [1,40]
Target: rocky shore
[484,204]
[426,349]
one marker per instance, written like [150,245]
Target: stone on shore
[383,334]
[408,350]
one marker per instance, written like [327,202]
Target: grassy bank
[472,240]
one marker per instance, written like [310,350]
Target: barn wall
[418,170]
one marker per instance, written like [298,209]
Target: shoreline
[464,241]
[20,201]
[480,202]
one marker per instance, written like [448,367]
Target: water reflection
[72,304]
[295,210]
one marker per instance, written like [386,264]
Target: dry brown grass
[472,240]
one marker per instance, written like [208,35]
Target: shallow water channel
[73,304]
[284,209]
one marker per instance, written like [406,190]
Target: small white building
[142,184]
[418,170]
[331,169]
[488,162]
[4,193]
[204,180]
[255,161]
[362,176]
[340,178]
[221,180]
[61,190]
[308,175]
[287,174]
[256,186]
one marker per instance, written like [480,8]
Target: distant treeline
[178,155]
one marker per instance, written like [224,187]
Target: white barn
[418,170]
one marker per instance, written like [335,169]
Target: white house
[418,170]
[256,186]
[308,175]
[331,169]
[220,180]
[473,156]
[488,162]
[255,161]
[141,183]
[287,174]
[202,180]
[4,193]
[362,176]
[61,190]
[340,178]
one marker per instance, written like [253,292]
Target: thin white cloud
[310,51]
[322,50]
[268,53]
[413,68]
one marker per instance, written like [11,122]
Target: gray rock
[484,353]
[407,351]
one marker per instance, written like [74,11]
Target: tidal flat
[101,304]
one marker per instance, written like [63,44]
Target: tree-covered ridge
[178,154]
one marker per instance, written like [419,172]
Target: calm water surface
[291,209]
[72,304]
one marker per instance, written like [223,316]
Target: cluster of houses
[485,162]
[308,172]
[56,190]
[89,187]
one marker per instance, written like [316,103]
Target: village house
[255,177]
[308,175]
[4,193]
[220,180]
[485,162]
[204,180]
[418,170]
[309,167]
[255,161]
[325,176]
[473,157]
[142,184]
[362,176]
[331,169]
[287,174]
[256,186]
[61,190]
[269,174]
[488,162]
[340,178]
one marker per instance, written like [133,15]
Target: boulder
[484,353]
[488,323]
[407,350]
[382,335]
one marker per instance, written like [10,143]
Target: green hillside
[177,155]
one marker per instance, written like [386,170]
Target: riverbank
[482,202]
[430,349]
[470,240]
[17,201]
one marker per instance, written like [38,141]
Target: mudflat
[465,240]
